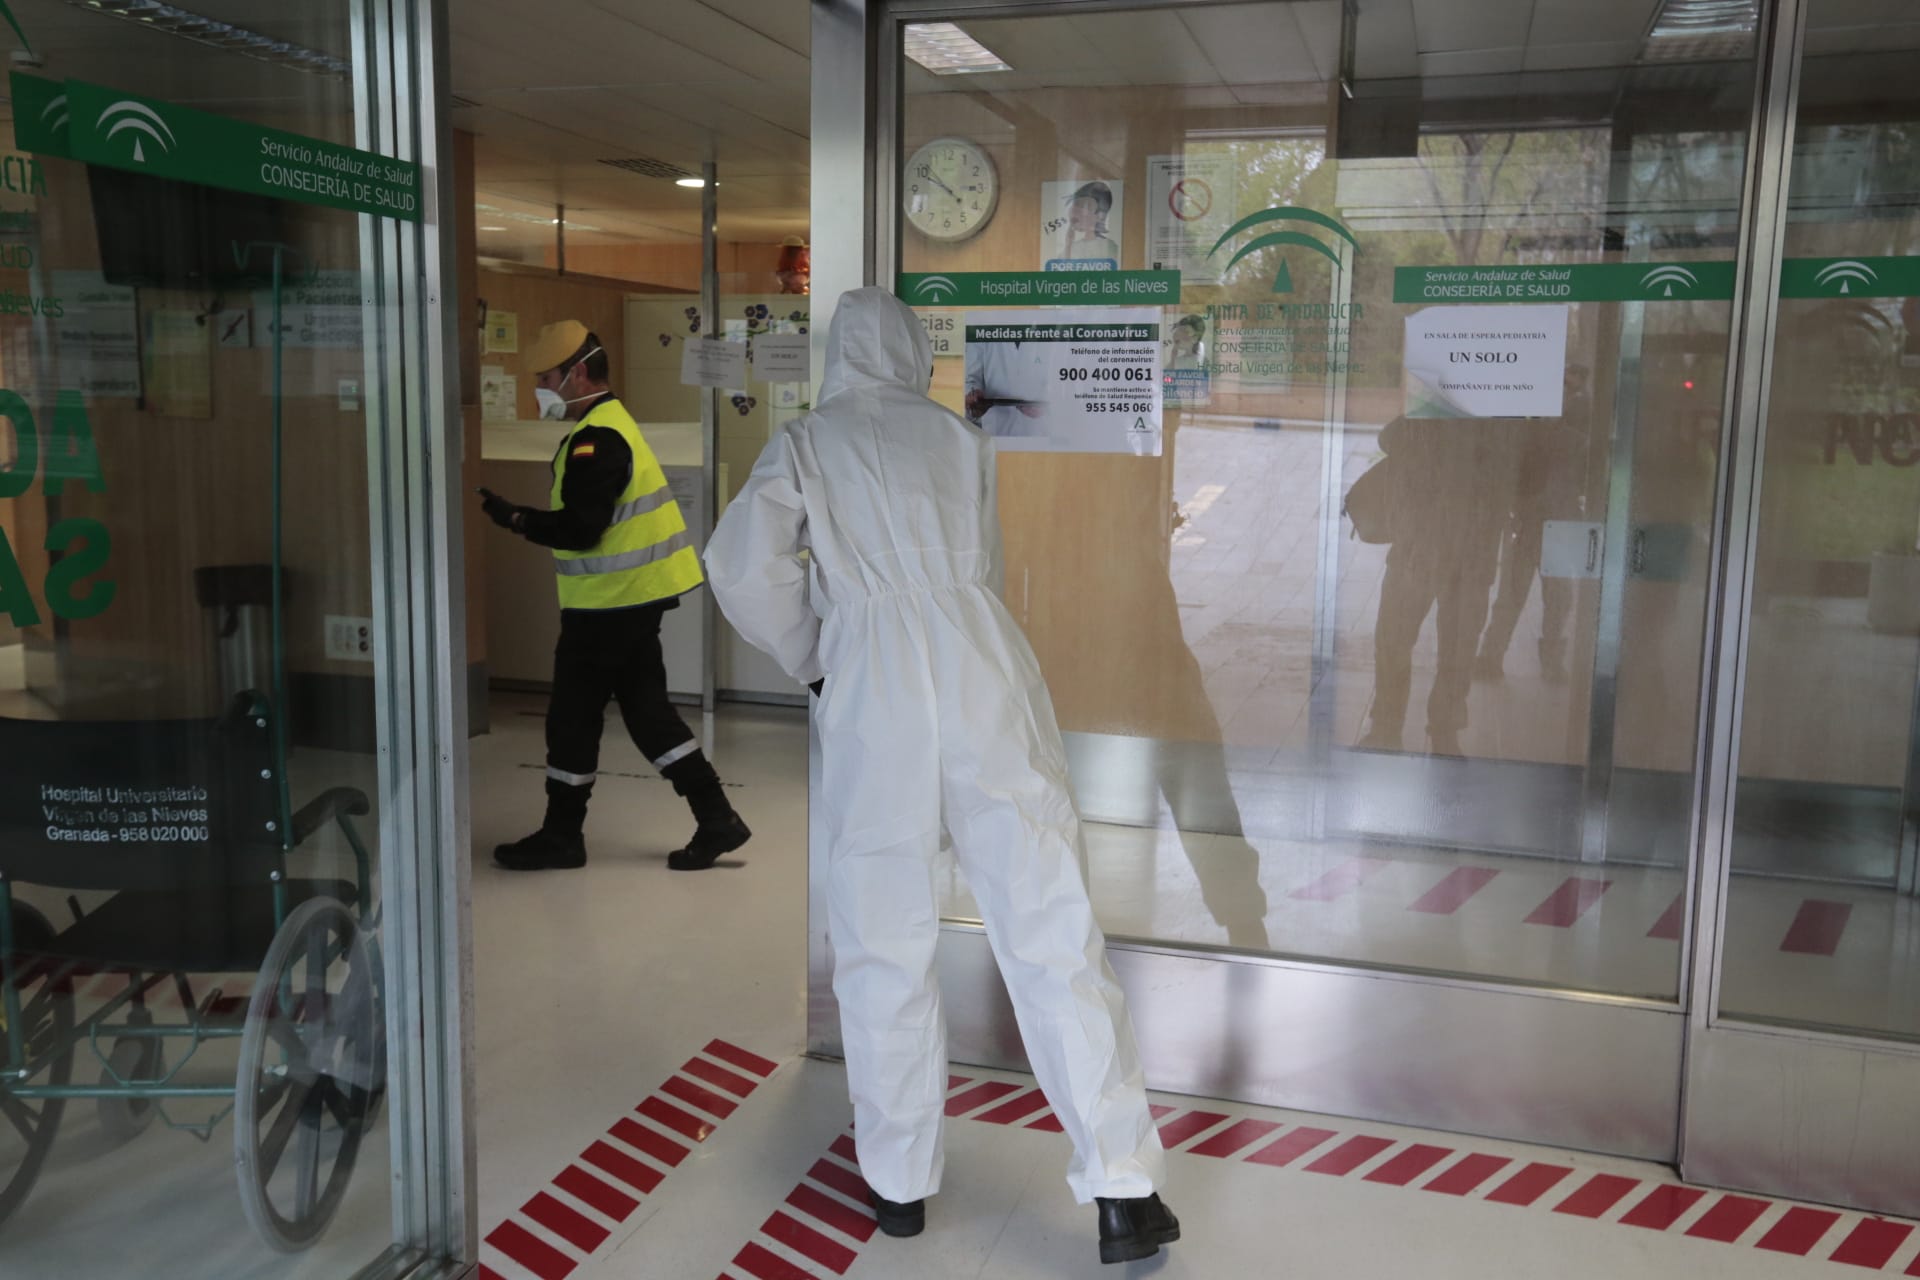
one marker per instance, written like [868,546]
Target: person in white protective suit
[863,554]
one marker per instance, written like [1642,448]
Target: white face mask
[553,404]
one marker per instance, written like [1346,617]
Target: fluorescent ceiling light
[532,219]
[1702,30]
[689,182]
[493,228]
[946,50]
[220,35]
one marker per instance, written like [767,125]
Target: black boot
[900,1220]
[1134,1228]
[720,830]
[544,850]
[710,841]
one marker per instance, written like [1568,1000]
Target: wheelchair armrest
[330,804]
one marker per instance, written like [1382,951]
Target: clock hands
[934,179]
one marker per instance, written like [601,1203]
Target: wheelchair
[187,827]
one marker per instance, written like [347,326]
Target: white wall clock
[949,189]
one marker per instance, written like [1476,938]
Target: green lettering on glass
[71,454]
[18,478]
[16,602]
[73,568]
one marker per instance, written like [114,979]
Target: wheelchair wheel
[304,1087]
[28,1126]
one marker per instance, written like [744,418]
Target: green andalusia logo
[140,121]
[1283,277]
[934,289]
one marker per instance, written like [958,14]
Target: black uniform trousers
[608,655]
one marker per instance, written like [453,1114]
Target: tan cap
[558,343]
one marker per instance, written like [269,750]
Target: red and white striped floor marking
[570,1219]
[1806,1231]
[818,1230]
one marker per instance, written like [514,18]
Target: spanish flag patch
[582,451]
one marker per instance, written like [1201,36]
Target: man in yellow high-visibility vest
[624,556]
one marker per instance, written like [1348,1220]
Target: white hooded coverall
[934,716]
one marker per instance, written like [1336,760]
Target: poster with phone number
[1066,379]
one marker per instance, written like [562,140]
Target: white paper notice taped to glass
[713,362]
[782,357]
[1066,379]
[1486,362]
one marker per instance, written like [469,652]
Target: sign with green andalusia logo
[39,115]
[146,135]
[1037,288]
[1286,214]
[1850,277]
[1574,282]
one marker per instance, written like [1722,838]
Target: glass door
[1378,661]
[1807,1062]
[230,754]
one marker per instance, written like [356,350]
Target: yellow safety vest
[647,553]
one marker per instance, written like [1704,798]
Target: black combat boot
[1135,1228]
[900,1220]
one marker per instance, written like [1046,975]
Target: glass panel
[189,790]
[1821,920]
[1436,714]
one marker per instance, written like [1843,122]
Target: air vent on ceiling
[648,167]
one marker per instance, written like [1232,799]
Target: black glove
[498,509]
[818,685]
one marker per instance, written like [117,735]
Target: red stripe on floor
[1018,1109]
[488,1273]
[1597,1195]
[803,1239]
[954,1082]
[1340,881]
[1664,1206]
[844,1148]
[1728,1219]
[979,1096]
[841,1179]
[718,1076]
[1569,902]
[624,1168]
[652,1142]
[1160,1111]
[578,1230]
[1188,1127]
[665,1113]
[1528,1185]
[1467,1175]
[695,1096]
[531,1252]
[1349,1155]
[1667,927]
[589,1190]
[1452,893]
[1048,1123]
[1286,1150]
[733,1055]
[1817,928]
[758,1262]
[1798,1231]
[1234,1138]
[1873,1243]
[826,1209]
[1409,1164]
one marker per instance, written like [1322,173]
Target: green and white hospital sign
[146,135]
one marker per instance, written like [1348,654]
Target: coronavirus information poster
[1066,379]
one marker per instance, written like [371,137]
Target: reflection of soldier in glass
[1452,485]
[1086,231]
[1553,456]
[1188,352]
